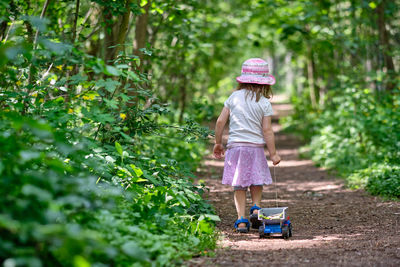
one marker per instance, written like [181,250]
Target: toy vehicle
[275,221]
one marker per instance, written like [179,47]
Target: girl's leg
[240,203]
[256,193]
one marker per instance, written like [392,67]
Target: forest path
[332,225]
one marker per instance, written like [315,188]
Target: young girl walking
[249,112]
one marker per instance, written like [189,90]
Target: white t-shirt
[245,118]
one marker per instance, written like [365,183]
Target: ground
[332,225]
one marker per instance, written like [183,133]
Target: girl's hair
[256,90]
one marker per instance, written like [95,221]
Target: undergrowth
[357,135]
[94,169]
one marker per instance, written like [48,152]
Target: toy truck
[274,221]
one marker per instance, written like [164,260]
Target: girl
[249,112]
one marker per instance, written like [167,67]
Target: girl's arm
[270,139]
[219,128]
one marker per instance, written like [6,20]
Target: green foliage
[92,169]
[358,135]
[345,85]
[95,168]
[55,212]
[379,179]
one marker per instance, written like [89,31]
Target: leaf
[119,149]
[122,66]
[212,217]
[112,71]
[195,241]
[37,22]
[146,51]
[372,5]
[27,155]
[205,227]
[78,78]
[111,103]
[133,76]
[137,170]
[132,249]
[1,167]
[108,84]
[80,261]
[150,178]
[37,192]
[110,159]
[56,48]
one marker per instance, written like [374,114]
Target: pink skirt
[246,165]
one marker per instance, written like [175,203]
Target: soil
[332,225]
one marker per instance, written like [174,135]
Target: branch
[75,21]
[45,6]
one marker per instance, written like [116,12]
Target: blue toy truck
[274,221]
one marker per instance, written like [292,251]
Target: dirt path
[332,226]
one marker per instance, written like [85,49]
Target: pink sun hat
[256,70]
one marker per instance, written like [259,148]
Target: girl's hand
[275,159]
[218,151]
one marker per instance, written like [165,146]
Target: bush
[54,211]
[379,179]
[356,135]
[87,177]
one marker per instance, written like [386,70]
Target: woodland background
[103,105]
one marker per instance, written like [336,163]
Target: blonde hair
[256,90]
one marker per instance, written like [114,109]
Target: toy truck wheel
[290,230]
[261,231]
[285,232]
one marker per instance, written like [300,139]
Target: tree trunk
[3,29]
[141,33]
[289,79]
[139,42]
[182,91]
[123,29]
[317,89]
[310,76]
[384,45]
[75,21]
[108,35]
[354,51]
[115,33]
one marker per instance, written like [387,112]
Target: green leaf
[111,103]
[133,76]
[38,23]
[78,78]
[108,84]
[110,159]
[1,167]
[137,170]
[150,177]
[195,241]
[372,5]
[132,249]
[122,66]
[37,192]
[112,71]
[212,217]
[119,149]
[80,261]
[55,47]
[27,155]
